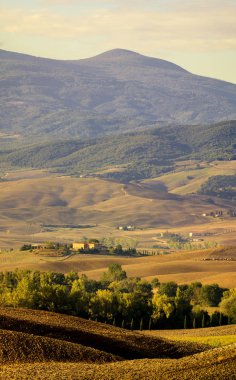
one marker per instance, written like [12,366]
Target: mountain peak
[128,57]
[118,53]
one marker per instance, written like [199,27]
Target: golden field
[182,267]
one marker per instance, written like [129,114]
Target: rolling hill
[64,200]
[96,336]
[69,347]
[116,91]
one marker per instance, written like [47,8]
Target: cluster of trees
[127,302]
[189,246]
[118,249]
[222,186]
[125,242]
[59,248]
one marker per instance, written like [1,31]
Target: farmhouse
[86,245]
[40,246]
[126,228]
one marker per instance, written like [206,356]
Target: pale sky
[199,35]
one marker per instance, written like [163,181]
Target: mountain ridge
[118,90]
[105,56]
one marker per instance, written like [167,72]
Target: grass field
[213,336]
[42,345]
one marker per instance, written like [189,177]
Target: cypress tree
[132,324]
[211,320]
[150,324]
[141,324]
[194,323]
[185,321]
[203,321]
[220,319]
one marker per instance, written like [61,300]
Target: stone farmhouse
[86,245]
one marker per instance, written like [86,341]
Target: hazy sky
[199,35]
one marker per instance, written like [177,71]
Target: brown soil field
[219,363]
[182,267]
[99,336]
[23,347]
[63,347]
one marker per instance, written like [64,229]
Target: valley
[39,206]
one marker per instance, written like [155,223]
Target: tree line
[116,299]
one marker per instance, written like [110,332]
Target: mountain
[113,92]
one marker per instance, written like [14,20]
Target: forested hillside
[223,186]
[125,157]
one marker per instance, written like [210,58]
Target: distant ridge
[113,92]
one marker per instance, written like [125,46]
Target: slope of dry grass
[92,201]
[30,200]
[188,178]
[198,332]
[212,336]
